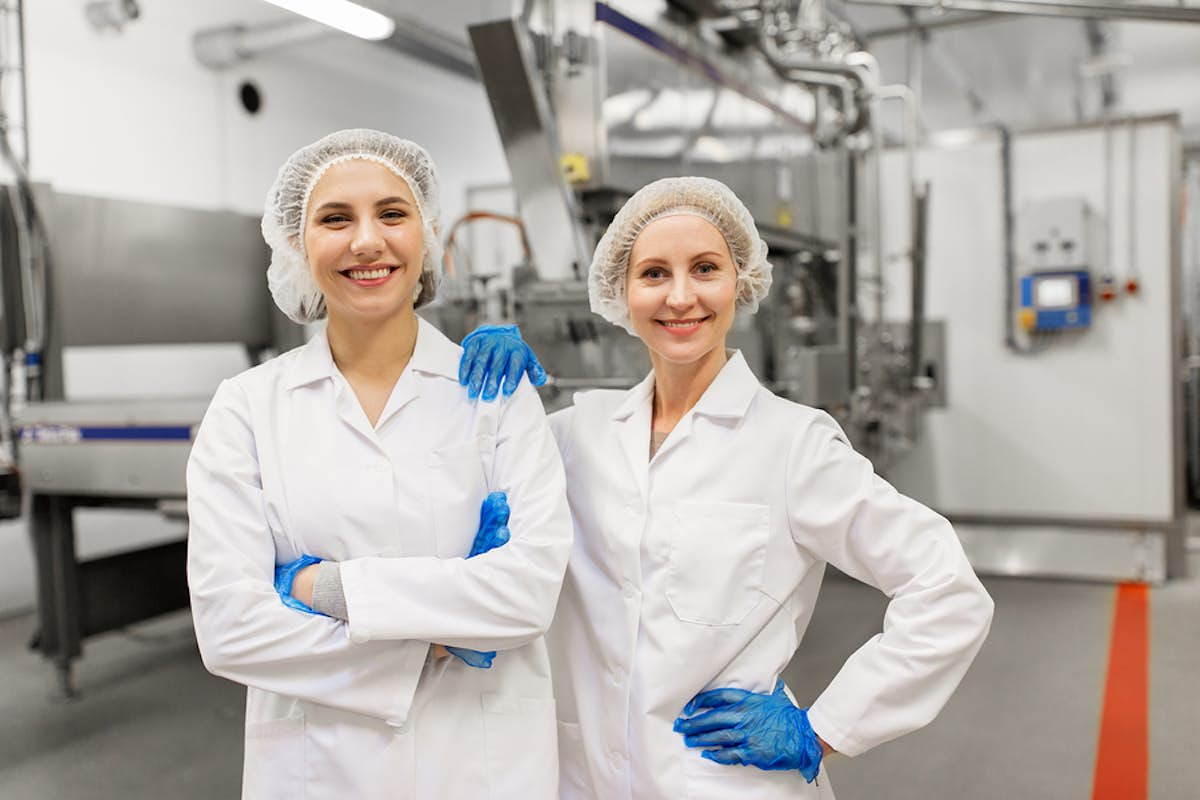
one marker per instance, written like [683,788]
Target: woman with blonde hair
[705,511]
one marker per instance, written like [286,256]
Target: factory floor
[151,723]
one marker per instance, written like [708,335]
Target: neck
[373,349]
[678,387]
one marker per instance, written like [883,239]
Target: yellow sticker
[575,168]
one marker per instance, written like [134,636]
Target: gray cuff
[328,597]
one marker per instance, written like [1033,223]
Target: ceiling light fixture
[343,15]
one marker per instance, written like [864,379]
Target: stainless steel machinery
[126,273]
[595,99]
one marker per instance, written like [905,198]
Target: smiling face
[681,288]
[364,241]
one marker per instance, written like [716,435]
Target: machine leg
[66,686]
[53,533]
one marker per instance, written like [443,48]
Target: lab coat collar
[434,354]
[729,394]
[635,398]
[314,362]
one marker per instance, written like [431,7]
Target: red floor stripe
[1122,757]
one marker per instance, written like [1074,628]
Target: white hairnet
[291,281]
[703,197]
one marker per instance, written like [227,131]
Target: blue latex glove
[493,532]
[759,730]
[285,574]
[493,522]
[495,353]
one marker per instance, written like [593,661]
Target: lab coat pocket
[718,556]
[457,488]
[274,762]
[522,747]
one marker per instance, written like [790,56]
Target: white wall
[134,115]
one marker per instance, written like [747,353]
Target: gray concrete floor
[151,723]
[1024,723]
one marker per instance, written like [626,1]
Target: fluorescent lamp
[343,15]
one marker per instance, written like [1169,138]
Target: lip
[391,268]
[683,330]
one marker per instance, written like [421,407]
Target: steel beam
[1091,9]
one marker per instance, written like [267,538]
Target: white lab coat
[700,569]
[286,463]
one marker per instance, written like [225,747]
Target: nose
[368,240]
[681,296]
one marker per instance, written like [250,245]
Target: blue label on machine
[75,434]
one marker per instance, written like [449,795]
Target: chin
[683,352]
[374,310]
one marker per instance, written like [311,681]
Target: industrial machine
[203,313]
[777,100]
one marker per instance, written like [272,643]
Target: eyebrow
[334,205]
[657,261]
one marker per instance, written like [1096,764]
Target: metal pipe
[846,78]
[219,48]
[1160,12]
[908,100]
[416,38]
[24,85]
[915,66]
[925,27]
[876,200]
[848,69]
[848,284]
[851,113]
[1010,253]
[916,346]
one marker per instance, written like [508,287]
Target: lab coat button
[628,590]
[616,760]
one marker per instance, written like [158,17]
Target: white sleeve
[244,631]
[939,612]
[501,599]
[562,424]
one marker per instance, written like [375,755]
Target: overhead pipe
[1093,9]
[219,48]
[848,80]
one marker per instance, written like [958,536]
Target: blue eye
[334,219]
[706,268]
[654,273]
[393,214]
